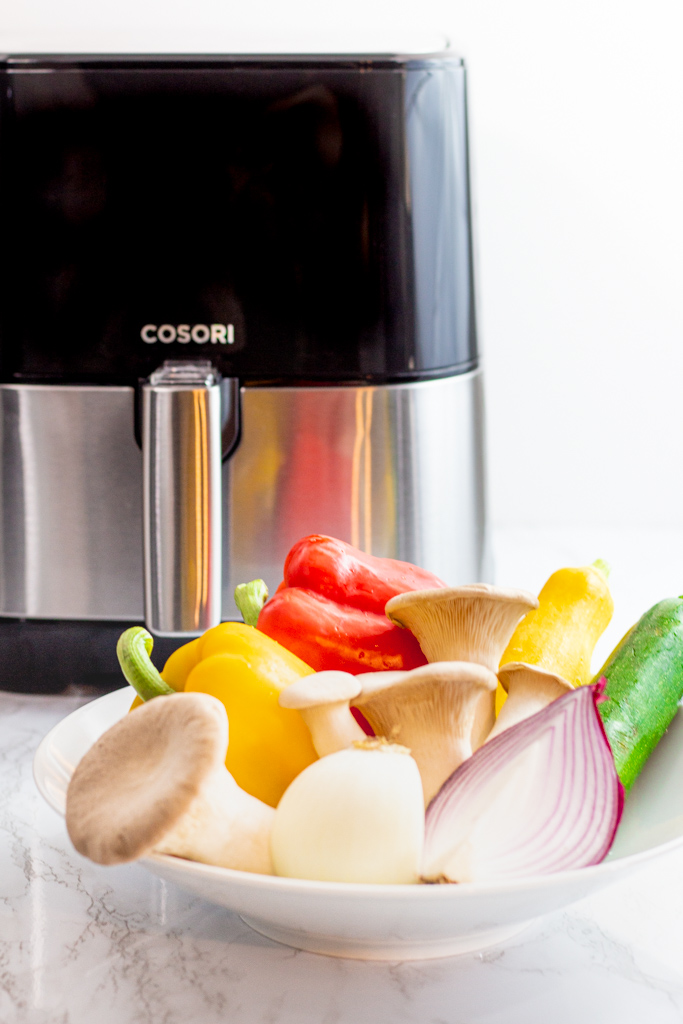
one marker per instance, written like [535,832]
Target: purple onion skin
[498,818]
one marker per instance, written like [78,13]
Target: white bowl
[390,922]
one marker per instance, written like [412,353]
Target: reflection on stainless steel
[181,455]
[70,503]
[397,470]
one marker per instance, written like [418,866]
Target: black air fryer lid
[293,219]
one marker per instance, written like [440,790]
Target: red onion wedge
[543,796]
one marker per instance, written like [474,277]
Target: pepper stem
[250,599]
[133,650]
[602,566]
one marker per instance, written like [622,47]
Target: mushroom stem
[332,727]
[529,689]
[157,781]
[223,826]
[322,699]
[432,710]
[437,759]
[484,718]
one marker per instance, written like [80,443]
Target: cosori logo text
[217,334]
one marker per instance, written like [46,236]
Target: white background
[576,123]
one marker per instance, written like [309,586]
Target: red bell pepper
[329,610]
[351,577]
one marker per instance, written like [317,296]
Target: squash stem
[602,566]
[133,650]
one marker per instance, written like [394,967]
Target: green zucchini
[644,676]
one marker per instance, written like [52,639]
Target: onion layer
[543,796]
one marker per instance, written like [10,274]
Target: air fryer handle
[181,453]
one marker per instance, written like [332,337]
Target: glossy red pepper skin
[348,576]
[328,635]
[329,610]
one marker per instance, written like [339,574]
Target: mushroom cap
[468,623]
[409,684]
[331,687]
[532,675]
[141,776]
[432,710]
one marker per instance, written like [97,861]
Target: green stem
[133,650]
[602,566]
[250,599]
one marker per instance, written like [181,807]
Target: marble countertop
[80,942]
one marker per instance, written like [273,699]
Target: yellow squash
[574,609]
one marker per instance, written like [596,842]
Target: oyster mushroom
[469,623]
[431,710]
[529,689]
[157,782]
[323,699]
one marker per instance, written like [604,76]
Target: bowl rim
[356,890]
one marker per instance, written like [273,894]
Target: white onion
[354,816]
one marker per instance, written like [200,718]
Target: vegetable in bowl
[534,793]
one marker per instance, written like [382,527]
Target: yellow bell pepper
[574,609]
[246,670]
